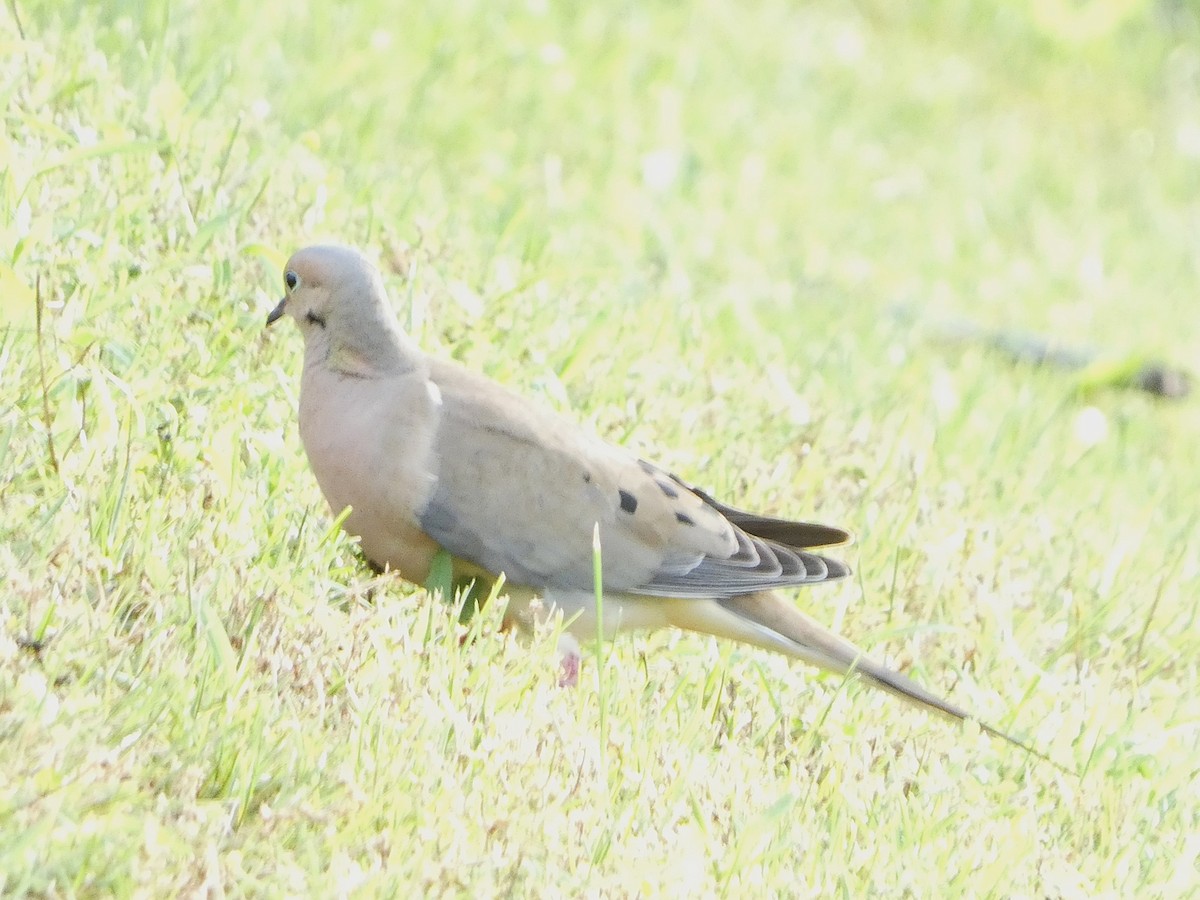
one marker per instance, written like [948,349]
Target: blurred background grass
[690,226]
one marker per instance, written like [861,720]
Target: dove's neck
[373,347]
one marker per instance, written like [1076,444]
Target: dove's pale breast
[373,460]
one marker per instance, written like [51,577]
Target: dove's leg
[568,673]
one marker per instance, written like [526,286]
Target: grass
[687,226]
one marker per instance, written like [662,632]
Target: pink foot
[568,674]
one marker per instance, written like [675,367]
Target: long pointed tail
[774,623]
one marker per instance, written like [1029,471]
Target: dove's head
[337,298]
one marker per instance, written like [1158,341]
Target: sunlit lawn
[690,227]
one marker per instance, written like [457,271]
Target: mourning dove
[429,456]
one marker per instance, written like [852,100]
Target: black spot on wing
[587,477]
[628,502]
[768,552]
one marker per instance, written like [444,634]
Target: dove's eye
[291,279]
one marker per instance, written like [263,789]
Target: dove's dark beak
[277,313]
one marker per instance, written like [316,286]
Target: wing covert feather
[519,490]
